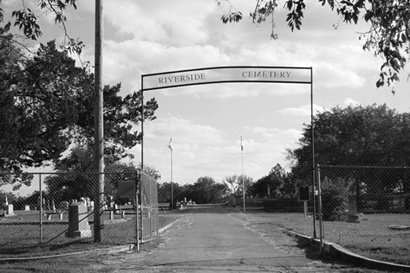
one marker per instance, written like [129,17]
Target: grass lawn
[371,238]
[20,237]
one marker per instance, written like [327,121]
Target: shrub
[335,198]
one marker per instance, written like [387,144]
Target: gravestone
[27,207]
[352,216]
[9,210]
[78,221]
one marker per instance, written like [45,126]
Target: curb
[167,226]
[110,250]
[345,255]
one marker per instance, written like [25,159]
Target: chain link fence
[41,216]
[364,206]
[149,208]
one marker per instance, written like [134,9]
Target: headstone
[27,207]
[77,221]
[87,202]
[352,216]
[352,204]
[9,210]
[53,204]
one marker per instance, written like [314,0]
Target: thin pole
[320,208]
[41,210]
[243,180]
[172,184]
[98,121]
[312,127]
[137,241]
[141,189]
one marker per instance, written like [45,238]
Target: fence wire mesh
[365,205]
[149,208]
[39,214]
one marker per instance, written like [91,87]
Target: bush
[335,198]
[283,205]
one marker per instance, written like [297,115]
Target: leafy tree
[234,184]
[356,136]
[388,36]
[48,105]
[204,191]
[164,192]
[371,135]
[75,179]
[39,97]
[26,20]
[276,184]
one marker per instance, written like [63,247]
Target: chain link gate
[37,216]
[148,224]
[363,205]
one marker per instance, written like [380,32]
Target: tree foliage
[388,35]
[204,191]
[47,104]
[75,179]
[277,183]
[356,135]
[234,183]
[26,19]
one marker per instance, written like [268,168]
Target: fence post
[150,200]
[41,208]
[319,185]
[136,212]
[142,200]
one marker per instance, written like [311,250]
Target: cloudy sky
[206,122]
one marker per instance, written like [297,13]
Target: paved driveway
[213,240]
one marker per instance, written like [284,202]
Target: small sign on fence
[304,193]
[126,189]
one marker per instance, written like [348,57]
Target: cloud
[302,111]
[177,35]
[175,22]
[195,146]
[201,150]
[205,121]
[350,102]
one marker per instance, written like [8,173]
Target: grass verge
[361,238]
[22,240]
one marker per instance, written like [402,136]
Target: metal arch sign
[238,74]
[230,74]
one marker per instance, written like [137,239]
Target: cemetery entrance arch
[227,74]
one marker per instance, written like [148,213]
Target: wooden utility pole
[98,122]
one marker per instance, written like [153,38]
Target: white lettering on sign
[181,78]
